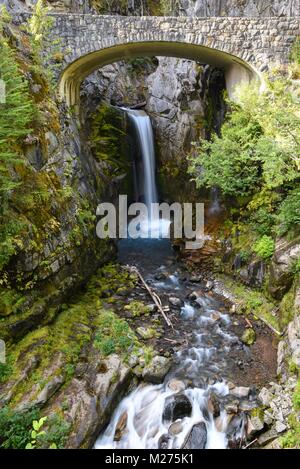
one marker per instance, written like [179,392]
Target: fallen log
[152,293]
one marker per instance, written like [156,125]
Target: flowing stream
[177,413]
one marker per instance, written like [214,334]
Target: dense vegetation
[255,161]
[144,7]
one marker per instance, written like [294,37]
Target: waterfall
[143,128]
[151,226]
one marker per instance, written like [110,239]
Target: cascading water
[200,368]
[143,128]
[151,226]
[196,374]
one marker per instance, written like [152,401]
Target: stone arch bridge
[242,46]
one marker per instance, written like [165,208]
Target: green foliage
[106,138]
[295,54]
[296,267]
[104,7]
[252,302]
[296,397]
[55,434]
[289,212]
[5,371]
[245,256]
[262,221]
[227,161]
[39,27]
[28,430]
[257,154]
[114,334]
[265,247]
[168,7]
[36,433]
[291,439]
[137,308]
[15,117]
[15,427]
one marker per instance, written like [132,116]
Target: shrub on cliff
[256,159]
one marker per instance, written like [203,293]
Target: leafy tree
[289,212]
[265,247]
[257,155]
[228,161]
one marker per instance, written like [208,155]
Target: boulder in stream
[163,442]
[213,405]
[121,426]
[176,385]
[197,437]
[175,301]
[177,407]
[157,369]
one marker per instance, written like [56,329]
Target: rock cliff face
[240,7]
[61,185]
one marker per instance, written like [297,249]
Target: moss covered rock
[248,337]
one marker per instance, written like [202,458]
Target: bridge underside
[236,70]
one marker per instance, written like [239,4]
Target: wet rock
[194,295]
[230,385]
[232,408]
[176,385]
[197,438]
[121,426]
[175,301]
[93,399]
[213,405]
[248,336]
[157,369]
[177,407]
[246,406]
[222,422]
[233,429]
[195,278]
[175,428]
[161,276]
[240,391]
[163,442]
[209,285]
[215,316]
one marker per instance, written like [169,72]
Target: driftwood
[269,325]
[248,322]
[250,444]
[153,295]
